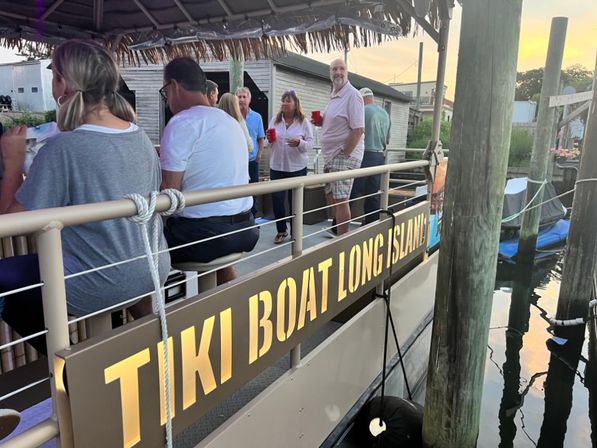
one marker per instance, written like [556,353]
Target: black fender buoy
[398,425]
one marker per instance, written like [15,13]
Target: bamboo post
[543,139]
[236,66]
[581,249]
[471,224]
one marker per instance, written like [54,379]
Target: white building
[29,84]
[268,79]
[524,111]
[427,98]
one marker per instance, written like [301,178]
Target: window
[387,105]
[33,89]
[20,90]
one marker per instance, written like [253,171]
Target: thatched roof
[157,30]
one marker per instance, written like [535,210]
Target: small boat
[553,228]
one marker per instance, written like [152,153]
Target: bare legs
[341,211]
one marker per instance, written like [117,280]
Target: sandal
[280,237]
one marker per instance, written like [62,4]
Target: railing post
[384,203]
[297,250]
[51,270]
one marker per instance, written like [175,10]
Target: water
[516,410]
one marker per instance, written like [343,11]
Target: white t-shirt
[209,146]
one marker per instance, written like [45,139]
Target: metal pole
[438,101]
[543,138]
[297,250]
[51,270]
[419,76]
[384,203]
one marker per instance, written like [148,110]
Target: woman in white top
[229,104]
[289,153]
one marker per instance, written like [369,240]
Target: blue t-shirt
[256,131]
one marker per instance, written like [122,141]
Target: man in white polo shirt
[342,142]
[204,147]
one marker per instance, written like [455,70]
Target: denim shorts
[180,230]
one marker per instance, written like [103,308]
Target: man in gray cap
[377,136]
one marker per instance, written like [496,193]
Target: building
[268,79]
[427,100]
[29,85]
[524,112]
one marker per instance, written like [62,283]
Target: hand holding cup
[271,135]
[316,118]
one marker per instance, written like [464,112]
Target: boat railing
[43,229]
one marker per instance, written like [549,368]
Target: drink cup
[316,117]
[271,135]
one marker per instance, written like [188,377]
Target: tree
[528,84]
[421,134]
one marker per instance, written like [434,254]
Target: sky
[396,61]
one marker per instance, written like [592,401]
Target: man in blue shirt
[256,131]
[377,136]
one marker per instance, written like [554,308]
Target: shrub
[26,118]
[421,134]
[521,145]
[50,116]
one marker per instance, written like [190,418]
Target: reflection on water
[535,391]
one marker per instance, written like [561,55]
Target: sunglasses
[163,91]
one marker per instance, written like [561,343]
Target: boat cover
[514,197]
[546,238]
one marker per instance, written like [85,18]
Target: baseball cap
[366,91]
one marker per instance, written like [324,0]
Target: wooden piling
[581,248]
[540,156]
[471,224]
[236,73]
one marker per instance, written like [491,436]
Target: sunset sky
[397,61]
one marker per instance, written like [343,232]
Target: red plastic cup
[271,135]
[316,117]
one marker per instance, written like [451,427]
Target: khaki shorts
[340,189]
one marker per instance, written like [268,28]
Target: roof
[157,30]
[302,64]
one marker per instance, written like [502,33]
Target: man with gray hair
[377,136]
[212,93]
[342,140]
[255,126]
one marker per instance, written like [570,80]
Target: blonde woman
[289,153]
[100,155]
[229,104]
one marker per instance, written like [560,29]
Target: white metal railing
[47,225]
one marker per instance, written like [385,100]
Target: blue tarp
[548,237]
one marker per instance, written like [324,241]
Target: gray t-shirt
[84,166]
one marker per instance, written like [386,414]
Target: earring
[60,100]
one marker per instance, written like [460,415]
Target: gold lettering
[390,245]
[367,261]
[255,323]
[425,229]
[283,333]
[402,245]
[324,267]
[409,237]
[196,362]
[341,287]
[378,255]
[354,268]
[417,232]
[162,370]
[226,345]
[397,244]
[127,371]
[308,298]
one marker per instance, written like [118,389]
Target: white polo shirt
[344,112]
[210,147]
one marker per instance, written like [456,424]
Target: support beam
[438,101]
[51,9]
[540,156]
[581,249]
[567,119]
[471,224]
[410,10]
[98,14]
[145,11]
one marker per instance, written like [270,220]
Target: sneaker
[331,232]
